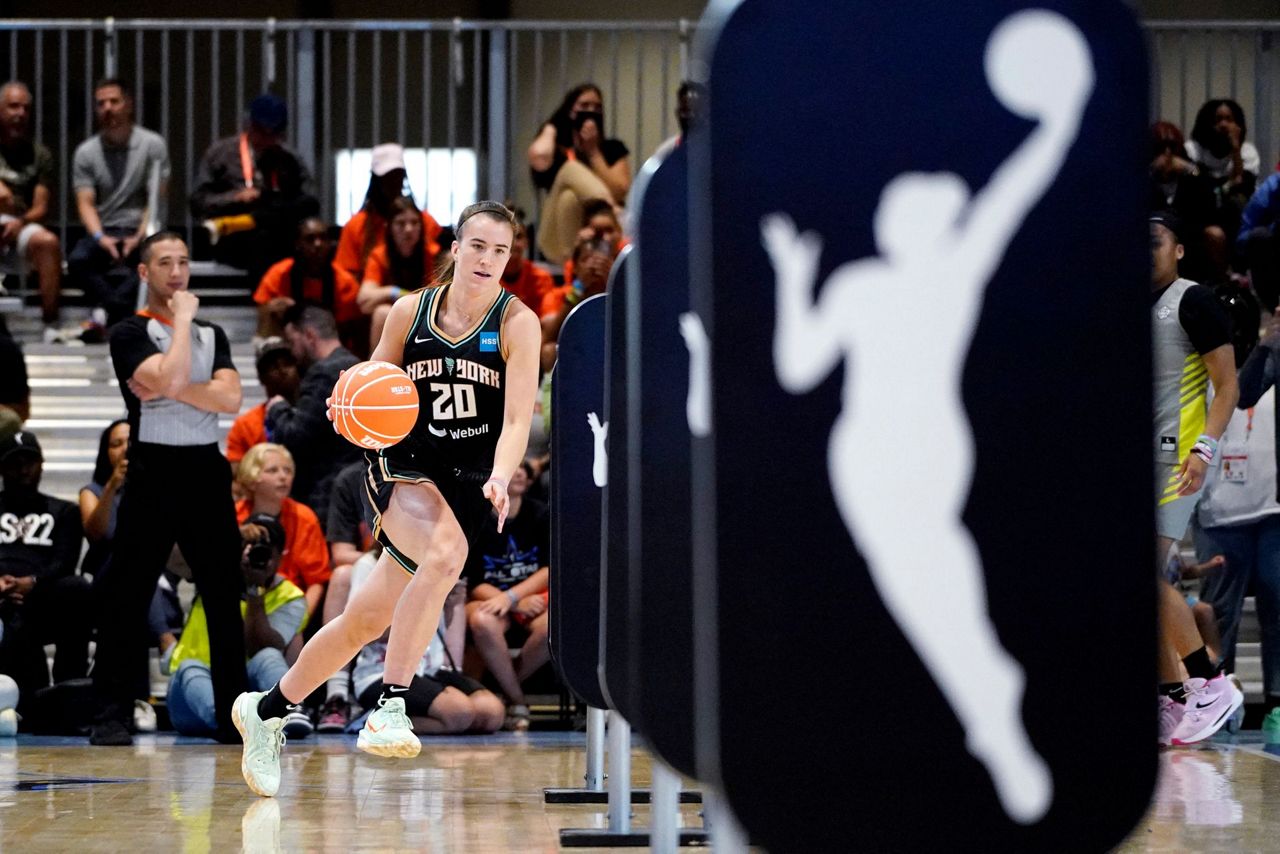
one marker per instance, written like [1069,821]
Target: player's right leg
[366,617]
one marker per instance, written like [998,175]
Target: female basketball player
[472,351]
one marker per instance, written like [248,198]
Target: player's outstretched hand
[496,491]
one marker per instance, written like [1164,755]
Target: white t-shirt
[1241,488]
[1220,167]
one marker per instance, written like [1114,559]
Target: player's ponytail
[495,211]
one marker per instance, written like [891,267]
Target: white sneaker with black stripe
[1208,707]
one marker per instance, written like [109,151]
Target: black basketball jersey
[461,385]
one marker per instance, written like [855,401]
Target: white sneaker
[1210,703]
[144,717]
[260,828]
[260,762]
[1170,716]
[8,723]
[388,731]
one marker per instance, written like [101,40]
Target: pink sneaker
[1209,706]
[1170,717]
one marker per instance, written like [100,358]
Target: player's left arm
[1208,326]
[522,336]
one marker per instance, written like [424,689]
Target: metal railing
[350,84]
[486,86]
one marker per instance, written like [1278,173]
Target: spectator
[690,102]
[112,175]
[15,391]
[1220,151]
[266,475]
[278,373]
[592,262]
[401,264]
[274,611]
[1246,498]
[350,538]
[307,277]
[26,175]
[176,376]
[100,497]
[573,160]
[42,599]
[302,426]
[529,282]
[252,190]
[1257,240]
[599,223]
[439,700]
[1177,185]
[367,229]
[507,579]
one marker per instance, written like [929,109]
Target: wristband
[1206,448]
[98,235]
[512,596]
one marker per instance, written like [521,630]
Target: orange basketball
[375,405]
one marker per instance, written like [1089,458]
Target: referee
[175,374]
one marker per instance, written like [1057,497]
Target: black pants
[58,611]
[272,237]
[107,283]
[180,495]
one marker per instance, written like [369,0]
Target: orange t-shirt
[276,283]
[306,554]
[246,431]
[378,270]
[350,255]
[531,286]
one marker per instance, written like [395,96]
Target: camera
[259,555]
[581,118]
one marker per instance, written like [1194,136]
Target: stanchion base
[583,837]
[587,796]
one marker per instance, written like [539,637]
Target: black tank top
[461,385]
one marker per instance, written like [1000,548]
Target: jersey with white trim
[1181,379]
[461,385]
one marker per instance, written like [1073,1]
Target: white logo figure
[431,428]
[599,468]
[698,404]
[938,247]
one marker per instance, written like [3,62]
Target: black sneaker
[110,733]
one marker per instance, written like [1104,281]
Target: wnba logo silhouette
[937,241]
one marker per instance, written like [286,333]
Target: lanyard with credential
[246,160]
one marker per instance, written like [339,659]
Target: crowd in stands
[322,296]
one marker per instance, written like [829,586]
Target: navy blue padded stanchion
[928,246]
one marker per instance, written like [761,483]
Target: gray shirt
[120,194]
[164,421]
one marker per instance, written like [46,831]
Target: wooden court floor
[473,795]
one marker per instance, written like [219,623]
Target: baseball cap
[24,441]
[270,524]
[386,157]
[1169,220]
[269,112]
